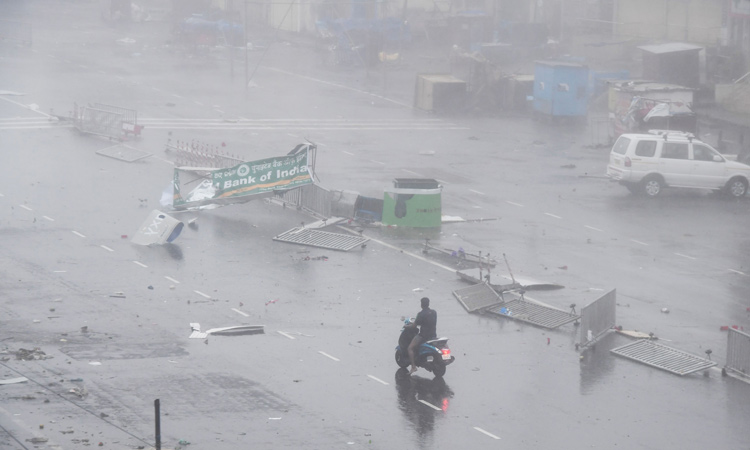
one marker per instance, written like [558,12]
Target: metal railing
[738,353]
[597,318]
[313,198]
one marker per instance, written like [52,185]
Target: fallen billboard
[243,182]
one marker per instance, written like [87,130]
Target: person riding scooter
[427,323]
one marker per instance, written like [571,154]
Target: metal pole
[245,38]
[158,424]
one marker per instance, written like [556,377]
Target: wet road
[323,375]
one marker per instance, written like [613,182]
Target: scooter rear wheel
[438,368]
[401,360]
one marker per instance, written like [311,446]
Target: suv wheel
[652,186]
[737,187]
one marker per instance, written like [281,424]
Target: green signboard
[239,183]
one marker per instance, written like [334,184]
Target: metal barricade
[99,122]
[316,199]
[15,31]
[129,118]
[597,318]
[738,354]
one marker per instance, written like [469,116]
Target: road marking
[552,215]
[78,234]
[377,162]
[430,405]
[441,181]
[198,103]
[102,72]
[344,151]
[685,256]
[48,218]
[593,228]
[106,248]
[83,66]
[26,207]
[328,356]
[413,173]
[202,294]
[172,280]
[477,192]
[378,380]
[156,89]
[177,96]
[219,111]
[486,432]
[514,203]
[59,271]
[639,242]
[737,271]
[140,264]
[240,312]
[286,335]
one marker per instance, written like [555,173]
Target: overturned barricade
[738,355]
[654,354]
[597,319]
[321,239]
[483,298]
[107,121]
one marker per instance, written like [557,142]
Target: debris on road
[31,355]
[14,380]
[158,228]
[238,330]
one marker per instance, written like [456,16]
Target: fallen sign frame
[321,239]
[663,357]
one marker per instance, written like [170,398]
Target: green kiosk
[413,202]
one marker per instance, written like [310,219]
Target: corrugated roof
[670,47]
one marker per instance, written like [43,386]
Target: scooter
[433,355]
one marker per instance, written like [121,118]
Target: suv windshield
[621,146]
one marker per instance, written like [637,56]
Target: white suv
[649,162]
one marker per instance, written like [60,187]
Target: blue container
[561,88]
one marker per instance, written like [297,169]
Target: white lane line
[552,215]
[243,313]
[198,103]
[286,335]
[514,203]
[172,280]
[202,294]
[106,248]
[378,380]
[140,264]
[328,356]
[344,151]
[78,234]
[593,228]
[48,218]
[486,432]
[430,405]
[83,66]
[412,172]
[102,72]
[377,162]
[156,89]
[686,256]
[59,271]
[219,111]
[477,192]
[26,207]
[177,96]
[737,271]
[639,242]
